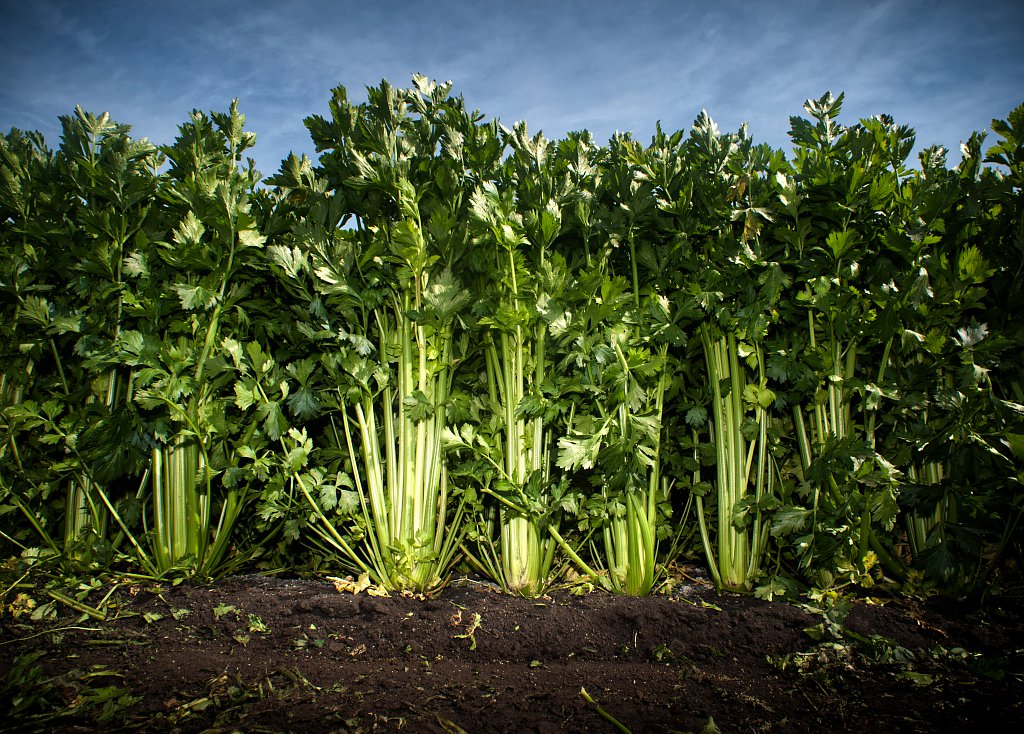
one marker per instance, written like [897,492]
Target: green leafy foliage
[449,340]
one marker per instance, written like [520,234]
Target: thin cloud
[946,68]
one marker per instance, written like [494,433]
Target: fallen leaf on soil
[347,584]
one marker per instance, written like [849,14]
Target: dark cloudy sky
[945,67]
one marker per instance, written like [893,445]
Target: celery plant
[114,182]
[523,287]
[951,371]
[401,161]
[721,206]
[617,428]
[29,207]
[174,341]
[103,185]
[851,319]
[187,295]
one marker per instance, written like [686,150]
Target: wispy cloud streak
[944,67]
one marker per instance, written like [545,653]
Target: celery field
[459,428]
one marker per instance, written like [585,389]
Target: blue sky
[944,67]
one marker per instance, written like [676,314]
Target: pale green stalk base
[740,551]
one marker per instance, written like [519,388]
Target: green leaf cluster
[449,343]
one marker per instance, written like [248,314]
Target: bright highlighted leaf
[790,520]
[969,336]
[190,231]
[580,452]
[195,296]
[245,396]
[290,259]
[348,502]
[328,497]
[972,266]
[250,238]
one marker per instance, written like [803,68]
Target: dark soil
[261,654]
